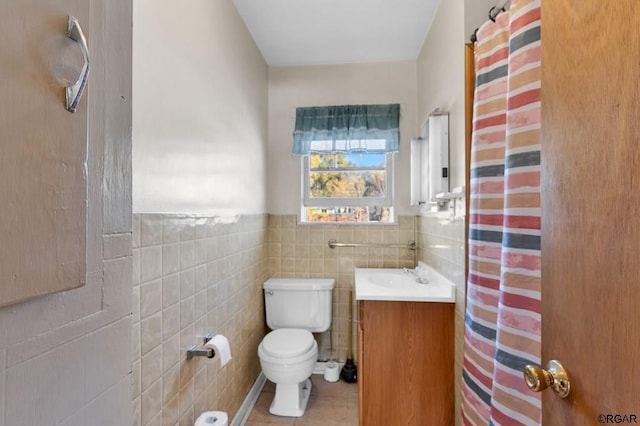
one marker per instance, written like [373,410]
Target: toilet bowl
[288,357]
[294,308]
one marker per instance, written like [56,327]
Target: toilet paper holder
[193,351]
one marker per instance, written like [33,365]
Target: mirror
[430,160]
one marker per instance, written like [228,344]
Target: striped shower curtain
[502,321]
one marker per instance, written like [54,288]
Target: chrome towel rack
[410,245]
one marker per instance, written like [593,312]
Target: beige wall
[301,251]
[199,110]
[199,149]
[194,276]
[63,357]
[291,87]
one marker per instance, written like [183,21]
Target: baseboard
[244,411]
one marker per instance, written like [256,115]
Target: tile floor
[330,404]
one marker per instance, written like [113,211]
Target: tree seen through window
[347,175]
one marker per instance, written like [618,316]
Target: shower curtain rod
[493,12]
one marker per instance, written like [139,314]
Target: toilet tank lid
[302,284]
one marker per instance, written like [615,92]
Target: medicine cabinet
[45,154]
[430,160]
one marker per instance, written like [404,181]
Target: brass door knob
[554,376]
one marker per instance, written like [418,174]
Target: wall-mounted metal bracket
[193,351]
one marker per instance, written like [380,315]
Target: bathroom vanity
[405,349]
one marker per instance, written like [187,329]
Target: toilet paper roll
[212,418]
[220,345]
[332,372]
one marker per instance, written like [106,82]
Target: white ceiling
[311,32]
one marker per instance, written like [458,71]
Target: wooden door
[590,208]
[43,152]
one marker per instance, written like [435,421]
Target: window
[343,187]
[347,162]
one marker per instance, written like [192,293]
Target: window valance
[347,128]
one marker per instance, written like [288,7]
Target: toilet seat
[287,343]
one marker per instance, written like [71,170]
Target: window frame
[327,202]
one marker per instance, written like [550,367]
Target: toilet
[294,308]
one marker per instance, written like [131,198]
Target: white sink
[398,285]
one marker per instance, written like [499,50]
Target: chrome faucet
[418,273]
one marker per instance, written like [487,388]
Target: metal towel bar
[411,245]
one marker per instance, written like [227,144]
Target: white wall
[441,79]
[476,13]
[199,110]
[441,71]
[291,87]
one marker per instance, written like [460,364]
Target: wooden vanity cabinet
[405,363]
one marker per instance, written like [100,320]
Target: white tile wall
[441,244]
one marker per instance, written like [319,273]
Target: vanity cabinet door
[406,357]
[43,154]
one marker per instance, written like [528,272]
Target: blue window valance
[347,128]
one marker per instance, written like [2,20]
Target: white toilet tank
[298,303]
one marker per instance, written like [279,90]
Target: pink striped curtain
[502,322]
